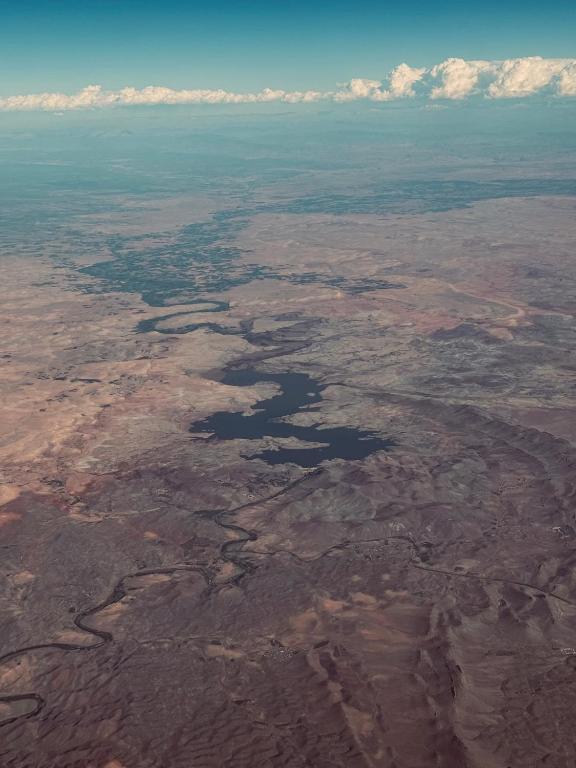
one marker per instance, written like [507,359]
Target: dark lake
[298,391]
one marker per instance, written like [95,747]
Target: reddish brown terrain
[376,571]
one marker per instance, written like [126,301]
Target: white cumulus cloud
[402,79]
[451,79]
[360,88]
[567,80]
[523,77]
[457,78]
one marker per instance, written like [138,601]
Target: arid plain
[292,484]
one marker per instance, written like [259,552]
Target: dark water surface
[202,258]
[208,305]
[298,390]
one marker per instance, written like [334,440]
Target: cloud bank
[452,79]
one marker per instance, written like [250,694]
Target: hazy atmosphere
[287,393]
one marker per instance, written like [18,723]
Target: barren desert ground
[288,477]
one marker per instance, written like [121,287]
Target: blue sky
[63,45]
